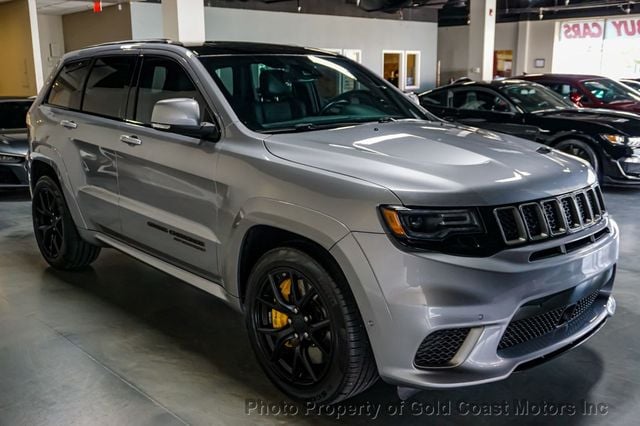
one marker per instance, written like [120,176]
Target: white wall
[51,41]
[372,36]
[453,47]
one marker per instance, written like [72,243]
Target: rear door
[168,194]
[84,126]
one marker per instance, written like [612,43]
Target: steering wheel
[363,96]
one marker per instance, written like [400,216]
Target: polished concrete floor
[123,344]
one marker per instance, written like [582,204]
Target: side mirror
[182,116]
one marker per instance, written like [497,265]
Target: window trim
[418,54]
[401,71]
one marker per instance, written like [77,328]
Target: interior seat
[277,102]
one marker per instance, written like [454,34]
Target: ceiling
[58,7]
[457,12]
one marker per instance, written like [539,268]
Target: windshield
[13,115]
[608,91]
[534,98]
[285,93]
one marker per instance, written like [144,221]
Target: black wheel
[306,330]
[56,234]
[581,150]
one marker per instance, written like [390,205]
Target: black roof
[490,84]
[249,48]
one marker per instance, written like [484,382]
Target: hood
[437,164]
[14,143]
[619,121]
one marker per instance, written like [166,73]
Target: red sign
[581,30]
[97,6]
[623,28]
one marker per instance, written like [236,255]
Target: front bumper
[624,171]
[427,292]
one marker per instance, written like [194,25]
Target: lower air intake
[440,347]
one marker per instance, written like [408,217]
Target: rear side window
[66,90]
[162,79]
[108,86]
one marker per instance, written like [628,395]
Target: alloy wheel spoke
[304,357]
[319,325]
[278,295]
[279,344]
[318,345]
[267,303]
[311,292]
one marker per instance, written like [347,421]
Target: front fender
[316,226]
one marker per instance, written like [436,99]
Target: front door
[168,201]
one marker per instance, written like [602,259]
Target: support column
[183,20]
[482,30]
[35,44]
[522,49]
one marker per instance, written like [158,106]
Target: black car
[13,142]
[609,140]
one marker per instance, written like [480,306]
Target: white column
[522,49]
[482,30]
[183,20]
[35,44]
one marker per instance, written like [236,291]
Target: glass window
[479,100]
[392,64]
[305,92]
[162,79]
[108,86]
[66,90]
[13,114]
[412,79]
[534,98]
[226,78]
[607,91]
[437,98]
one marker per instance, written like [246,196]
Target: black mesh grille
[600,199]
[532,219]
[570,214]
[552,213]
[439,347]
[583,209]
[508,223]
[533,327]
[591,195]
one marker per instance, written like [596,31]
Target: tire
[582,150]
[329,363]
[56,234]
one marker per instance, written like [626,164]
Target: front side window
[608,91]
[534,98]
[301,92]
[161,79]
[437,98]
[108,86]
[13,115]
[66,90]
[479,100]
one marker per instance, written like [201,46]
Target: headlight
[614,139]
[453,231]
[10,159]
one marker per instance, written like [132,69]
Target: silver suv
[359,235]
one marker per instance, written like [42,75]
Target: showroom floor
[123,344]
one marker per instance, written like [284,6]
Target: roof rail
[148,40]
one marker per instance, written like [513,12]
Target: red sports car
[590,91]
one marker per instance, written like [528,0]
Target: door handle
[68,124]
[130,140]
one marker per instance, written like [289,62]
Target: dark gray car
[360,235]
[14,143]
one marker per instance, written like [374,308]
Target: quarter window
[66,90]
[162,79]
[108,86]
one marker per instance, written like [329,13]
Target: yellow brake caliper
[280,319]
